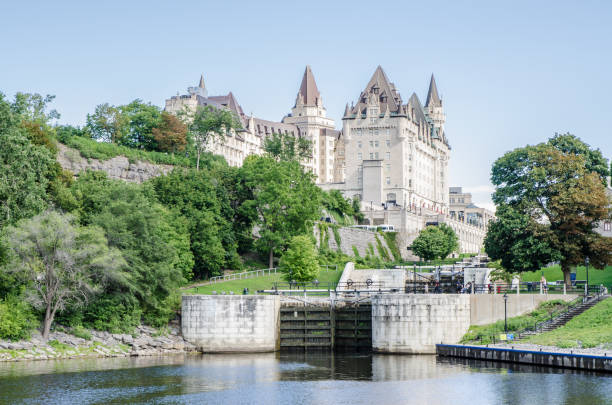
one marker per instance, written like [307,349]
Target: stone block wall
[349,237]
[231,323]
[409,323]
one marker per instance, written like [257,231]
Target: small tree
[63,264]
[208,124]
[299,262]
[108,124]
[452,241]
[171,134]
[430,244]
[288,147]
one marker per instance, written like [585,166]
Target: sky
[510,73]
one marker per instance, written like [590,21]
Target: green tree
[593,158]
[33,107]
[153,241]
[25,170]
[280,198]
[452,241]
[142,118]
[288,147]
[432,243]
[199,198]
[554,194]
[207,125]
[108,124]
[63,263]
[299,262]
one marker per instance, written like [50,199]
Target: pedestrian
[544,284]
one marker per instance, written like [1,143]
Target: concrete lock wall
[231,323]
[408,323]
[489,308]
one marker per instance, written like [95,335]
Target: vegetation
[287,147]
[554,273]
[484,333]
[592,328]
[299,262]
[435,242]
[550,198]
[63,263]
[17,319]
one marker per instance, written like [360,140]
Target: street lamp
[586,263]
[505,313]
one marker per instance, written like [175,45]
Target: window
[607,226]
[388,143]
[388,155]
[388,131]
[388,167]
[376,155]
[371,144]
[359,144]
[376,144]
[388,180]
[371,156]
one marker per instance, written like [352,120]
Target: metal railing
[261,273]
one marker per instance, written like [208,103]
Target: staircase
[561,319]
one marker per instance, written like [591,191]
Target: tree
[153,241]
[571,144]
[287,147]
[207,125]
[63,263]
[550,200]
[431,243]
[171,134]
[33,107]
[281,200]
[142,118]
[108,124]
[452,241]
[299,262]
[25,170]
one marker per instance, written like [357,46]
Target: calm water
[295,379]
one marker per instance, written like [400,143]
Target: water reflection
[296,378]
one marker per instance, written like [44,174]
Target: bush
[81,332]
[17,319]
[300,262]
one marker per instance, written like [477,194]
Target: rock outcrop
[119,167]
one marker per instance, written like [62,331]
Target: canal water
[296,379]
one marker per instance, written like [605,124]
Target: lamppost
[586,289]
[505,313]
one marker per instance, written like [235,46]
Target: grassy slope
[257,283]
[589,329]
[554,273]
[483,333]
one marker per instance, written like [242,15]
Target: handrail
[260,273]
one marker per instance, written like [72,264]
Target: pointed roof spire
[201,84]
[346,110]
[308,88]
[432,95]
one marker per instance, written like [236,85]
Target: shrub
[81,332]
[17,319]
[300,262]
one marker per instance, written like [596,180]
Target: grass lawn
[483,333]
[589,329]
[554,273]
[257,283]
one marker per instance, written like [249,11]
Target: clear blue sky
[509,75]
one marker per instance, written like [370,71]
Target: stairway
[563,318]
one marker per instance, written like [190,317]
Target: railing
[528,287]
[261,273]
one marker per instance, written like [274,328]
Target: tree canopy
[299,262]
[550,198]
[434,242]
[287,147]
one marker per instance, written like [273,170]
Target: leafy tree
[108,123]
[299,262]
[432,243]
[287,147]
[33,107]
[26,169]
[142,118]
[171,134]
[557,200]
[195,196]
[452,241]
[593,158]
[207,125]
[153,241]
[280,198]
[63,263]
[334,201]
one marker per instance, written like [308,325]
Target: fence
[261,273]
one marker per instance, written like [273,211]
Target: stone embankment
[118,168]
[145,341]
